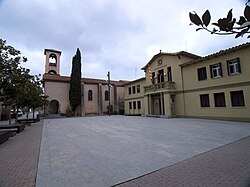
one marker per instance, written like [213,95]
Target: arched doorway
[53,107]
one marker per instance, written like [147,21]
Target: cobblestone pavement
[226,166]
[19,157]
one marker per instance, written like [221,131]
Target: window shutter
[211,71]
[198,73]
[220,69]
[228,70]
[238,63]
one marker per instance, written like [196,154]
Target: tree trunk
[9,115]
[33,113]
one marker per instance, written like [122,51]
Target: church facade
[182,84]
[95,95]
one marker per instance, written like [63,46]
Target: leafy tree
[75,81]
[32,95]
[17,87]
[12,76]
[224,26]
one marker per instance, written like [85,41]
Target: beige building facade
[186,85]
[95,95]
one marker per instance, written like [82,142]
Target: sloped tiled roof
[58,78]
[52,50]
[133,81]
[217,54]
[180,53]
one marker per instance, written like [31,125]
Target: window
[52,59]
[237,98]
[133,89]
[138,89]
[134,104]
[202,73]
[169,73]
[219,99]
[139,104]
[106,95]
[233,66]
[130,105]
[204,99]
[216,70]
[90,95]
[153,77]
[160,76]
[129,90]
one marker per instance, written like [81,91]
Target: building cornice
[217,54]
[178,54]
[134,81]
[66,79]
[51,50]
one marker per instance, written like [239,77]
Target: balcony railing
[167,85]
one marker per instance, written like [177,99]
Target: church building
[95,94]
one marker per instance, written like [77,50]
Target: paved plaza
[104,151]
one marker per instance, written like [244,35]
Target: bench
[29,120]
[5,135]
[19,127]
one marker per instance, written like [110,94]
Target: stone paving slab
[19,158]
[103,150]
[226,166]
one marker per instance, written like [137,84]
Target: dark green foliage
[247,13]
[224,26]
[195,18]
[75,81]
[206,18]
[17,87]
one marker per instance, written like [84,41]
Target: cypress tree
[75,81]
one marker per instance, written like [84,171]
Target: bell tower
[52,61]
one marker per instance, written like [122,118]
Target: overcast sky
[119,36]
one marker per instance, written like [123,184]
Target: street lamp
[108,83]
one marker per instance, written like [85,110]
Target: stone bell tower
[52,61]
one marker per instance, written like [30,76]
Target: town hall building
[182,84]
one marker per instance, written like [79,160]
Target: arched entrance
[53,107]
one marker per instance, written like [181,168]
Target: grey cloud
[113,35]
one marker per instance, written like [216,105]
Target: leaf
[206,18]
[247,13]
[230,15]
[238,35]
[246,24]
[241,33]
[195,18]
[223,24]
[231,24]
[244,31]
[241,21]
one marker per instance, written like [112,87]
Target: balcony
[167,85]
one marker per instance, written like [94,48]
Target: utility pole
[108,92]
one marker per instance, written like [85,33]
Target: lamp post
[108,92]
